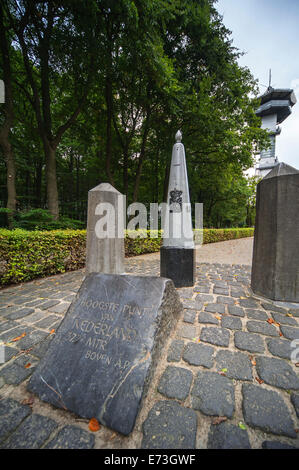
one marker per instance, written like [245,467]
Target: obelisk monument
[177,255]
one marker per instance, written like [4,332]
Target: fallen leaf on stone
[28,401]
[280,333]
[52,331]
[18,337]
[224,369]
[253,362]
[260,381]
[27,365]
[94,425]
[219,420]
[270,320]
[218,317]
[242,425]
[113,436]
[289,315]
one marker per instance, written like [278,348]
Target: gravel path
[228,252]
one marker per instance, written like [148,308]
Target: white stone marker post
[105,250]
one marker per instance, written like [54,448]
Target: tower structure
[276,105]
[177,255]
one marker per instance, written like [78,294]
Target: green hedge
[213,235]
[27,255]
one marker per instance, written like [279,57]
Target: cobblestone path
[226,379]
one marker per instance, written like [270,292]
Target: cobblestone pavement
[225,379]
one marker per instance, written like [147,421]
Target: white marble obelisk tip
[178,136]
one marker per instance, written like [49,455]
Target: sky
[268,32]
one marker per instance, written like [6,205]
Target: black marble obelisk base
[178,264]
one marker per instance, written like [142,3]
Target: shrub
[42,219]
[27,255]
[143,243]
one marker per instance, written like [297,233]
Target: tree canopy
[96,90]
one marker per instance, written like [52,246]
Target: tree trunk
[51,180]
[156,190]
[142,156]
[166,180]
[27,188]
[210,207]
[109,98]
[41,97]
[9,116]
[10,178]
[77,188]
[38,183]
[125,172]
[125,144]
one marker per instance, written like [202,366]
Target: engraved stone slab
[104,353]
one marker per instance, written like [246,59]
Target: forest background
[95,91]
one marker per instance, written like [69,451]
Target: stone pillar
[177,255]
[275,264]
[105,251]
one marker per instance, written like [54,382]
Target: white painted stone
[178,221]
[105,252]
